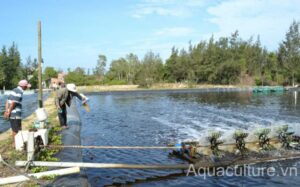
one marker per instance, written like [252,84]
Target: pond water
[156,118]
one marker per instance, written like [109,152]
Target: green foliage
[38,169]
[34,80]
[223,61]
[74,77]
[100,68]
[151,70]
[12,70]
[54,139]
[49,73]
[289,52]
[80,78]
[91,80]
[48,177]
[29,67]
[124,70]
[226,73]
[258,81]
[10,67]
[17,155]
[117,70]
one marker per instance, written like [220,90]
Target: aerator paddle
[263,139]
[214,141]
[284,136]
[240,142]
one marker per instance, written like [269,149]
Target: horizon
[74,34]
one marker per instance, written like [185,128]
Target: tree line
[227,60]
[12,70]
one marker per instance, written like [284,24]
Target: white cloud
[159,11]
[268,18]
[176,8]
[174,31]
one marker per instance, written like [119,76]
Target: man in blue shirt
[13,107]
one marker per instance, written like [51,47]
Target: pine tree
[289,51]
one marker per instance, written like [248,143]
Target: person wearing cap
[63,99]
[13,107]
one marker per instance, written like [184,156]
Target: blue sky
[75,32]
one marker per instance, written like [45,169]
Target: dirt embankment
[9,154]
[157,86]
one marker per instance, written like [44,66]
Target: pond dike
[71,136]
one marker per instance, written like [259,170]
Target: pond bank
[10,155]
[158,86]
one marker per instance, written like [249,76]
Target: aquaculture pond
[157,118]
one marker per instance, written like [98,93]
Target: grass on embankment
[10,155]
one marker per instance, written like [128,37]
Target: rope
[134,147]
[16,171]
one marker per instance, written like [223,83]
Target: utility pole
[40,94]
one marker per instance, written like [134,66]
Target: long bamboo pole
[237,162]
[102,165]
[21,178]
[40,93]
[109,147]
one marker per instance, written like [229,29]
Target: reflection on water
[161,117]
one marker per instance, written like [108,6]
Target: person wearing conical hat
[63,99]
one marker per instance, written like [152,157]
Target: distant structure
[54,82]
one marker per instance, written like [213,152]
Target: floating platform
[228,153]
[285,144]
[266,89]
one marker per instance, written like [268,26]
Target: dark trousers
[15,125]
[62,116]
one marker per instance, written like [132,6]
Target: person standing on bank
[13,107]
[63,99]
